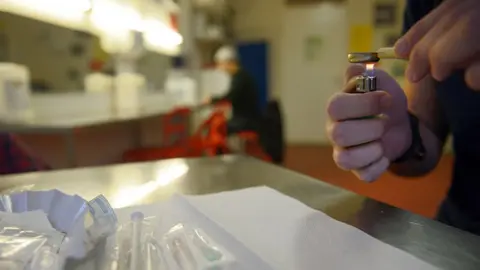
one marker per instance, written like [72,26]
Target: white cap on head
[226,53]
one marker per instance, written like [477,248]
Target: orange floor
[420,195]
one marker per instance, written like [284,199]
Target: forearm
[433,152]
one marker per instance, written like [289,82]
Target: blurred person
[242,93]
[14,158]
[407,136]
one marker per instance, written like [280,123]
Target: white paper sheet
[263,223]
[289,235]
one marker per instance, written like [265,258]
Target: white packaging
[98,82]
[18,247]
[215,82]
[71,225]
[192,248]
[127,93]
[14,91]
[181,89]
[139,244]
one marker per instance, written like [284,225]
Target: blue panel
[254,59]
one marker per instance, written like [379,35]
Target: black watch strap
[416,151]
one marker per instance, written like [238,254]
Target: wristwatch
[416,151]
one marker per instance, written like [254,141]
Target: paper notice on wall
[360,38]
[313,45]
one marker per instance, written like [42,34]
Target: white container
[98,82]
[181,89]
[77,104]
[127,93]
[215,83]
[154,102]
[14,91]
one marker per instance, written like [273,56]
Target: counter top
[65,121]
[138,183]
[65,111]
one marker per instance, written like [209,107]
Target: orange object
[175,126]
[216,137]
[209,139]
[174,21]
[96,65]
[175,132]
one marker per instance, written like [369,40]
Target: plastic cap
[96,65]
[226,53]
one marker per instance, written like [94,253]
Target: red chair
[176,126]
[251,145]
[209,139]
[215,140]
[175,132]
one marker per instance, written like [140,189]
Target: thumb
[353,71]
[386,84]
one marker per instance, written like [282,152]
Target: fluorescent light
[110,16]
[158,35]
[73,9]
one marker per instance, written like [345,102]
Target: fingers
[472,76]
[367,161]
[460,44]
[443,41]
[357,157]
[374,171]
[355,132]
[358,147]
[405,44]
[344,106]
[419,64]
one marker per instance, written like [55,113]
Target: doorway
[314,44]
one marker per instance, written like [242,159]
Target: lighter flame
[370,69]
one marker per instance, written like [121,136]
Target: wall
[262,20]
[266,20]
[46,50]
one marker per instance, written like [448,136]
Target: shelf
[210,41]
[213,7]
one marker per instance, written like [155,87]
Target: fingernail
[440,74]
[401,47]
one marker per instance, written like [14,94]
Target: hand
[444,40]
[366,146]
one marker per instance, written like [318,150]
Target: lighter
[367,82]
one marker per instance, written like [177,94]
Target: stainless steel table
[66,125]
[131,184]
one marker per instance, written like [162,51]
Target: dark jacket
[243,96]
